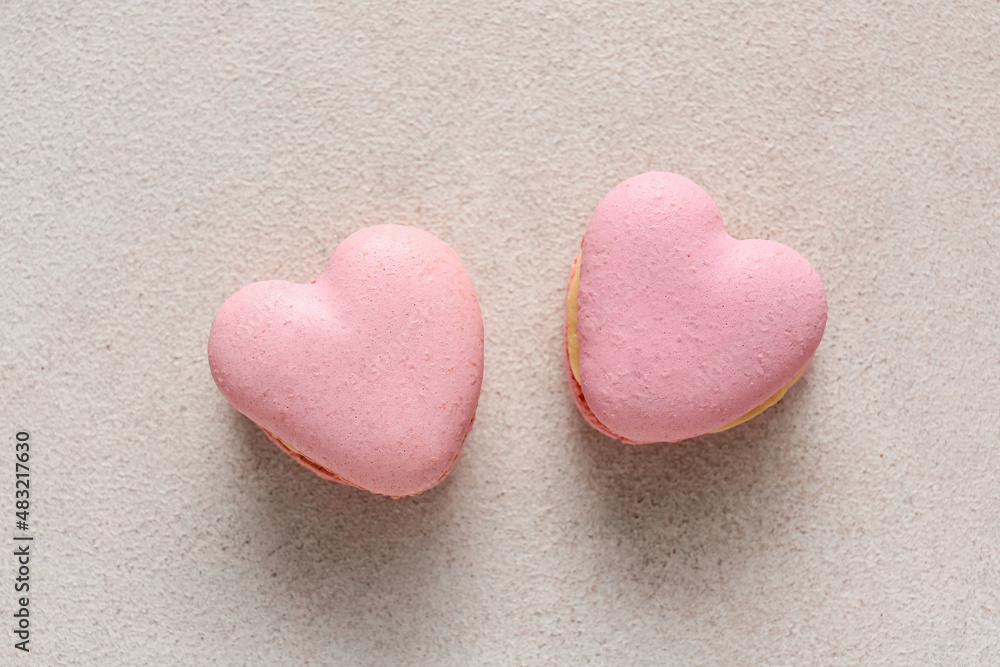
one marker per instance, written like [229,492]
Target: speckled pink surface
[372,372]
[683,328]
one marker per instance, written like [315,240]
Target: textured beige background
[153,159]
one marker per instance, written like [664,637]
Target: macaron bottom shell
[325,473]
[307,462]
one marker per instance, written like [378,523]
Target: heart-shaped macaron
[675,329]
[370,375]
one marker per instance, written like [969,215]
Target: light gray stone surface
[153,159]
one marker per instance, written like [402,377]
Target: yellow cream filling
[573,348]
[572,341]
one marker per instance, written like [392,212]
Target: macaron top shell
[372,372]
[682,329]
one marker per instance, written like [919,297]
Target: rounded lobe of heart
[682,328]
[372,372]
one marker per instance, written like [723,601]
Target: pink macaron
[673,328]
[370,375]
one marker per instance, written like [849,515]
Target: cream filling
[572,340]
[573,348]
